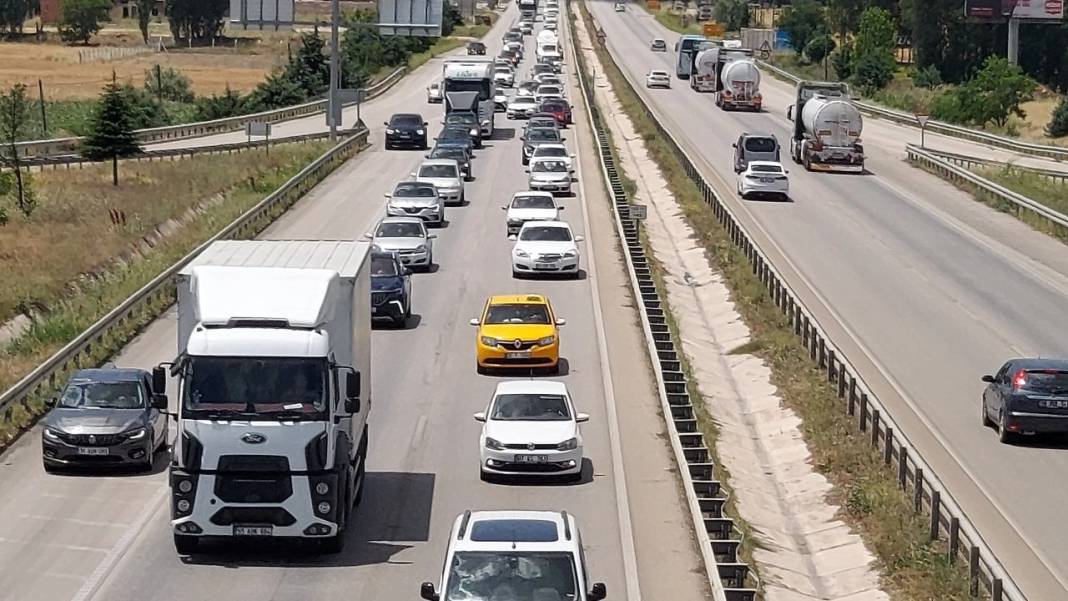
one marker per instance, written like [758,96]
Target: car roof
[527,193]
[546,223]
[765,163]
[747,135]
[551,145]
[513,299]
[400,219]
[1041,363]
[109,374]
[532,386]
[436,162]
[412,182]
[531,530]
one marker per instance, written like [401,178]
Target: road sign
[262,14]
[922,119]
[351,95]
[257,128]
[419,18]
[633,212]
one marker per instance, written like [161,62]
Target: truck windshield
[255,387]
[482,86]
[480,576]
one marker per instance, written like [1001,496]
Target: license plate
[517,355]
[253,530]
[544,266]
[1053,404]
[92,451]
[531,458]
[765,180]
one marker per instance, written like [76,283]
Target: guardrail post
[863,412]
[917,502]
[822,353]
[888,447]
[936,513]
[954,539]
[841,381]
[830,366]
[902,466]
[875,428]
[996,591]
[852,396]
[805,330]
[973,571]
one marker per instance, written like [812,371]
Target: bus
[472,75]
[685,51]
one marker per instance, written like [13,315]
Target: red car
[559,109]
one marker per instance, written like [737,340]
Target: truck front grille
[228,516]
[253,479]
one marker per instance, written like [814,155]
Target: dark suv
[106,416]
[534,137]
[406,129]
[456,153]
[467,119]
[391,289]
[754,147]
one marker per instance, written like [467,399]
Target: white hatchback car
[764,178]
[527,555]
[547,91]
[521,107]
[657,79]
[531,428]
[530,206]
[545,247]
[446,176]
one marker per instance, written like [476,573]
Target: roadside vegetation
[913,567]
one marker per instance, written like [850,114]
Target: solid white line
[118,551]
[626,529]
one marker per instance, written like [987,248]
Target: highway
[107,536]
[930,287]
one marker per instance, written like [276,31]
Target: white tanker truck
[731,74]
[827,128]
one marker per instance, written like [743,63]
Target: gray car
[535,136]
[408,238]
[755,147]
[416,199]
[106,416]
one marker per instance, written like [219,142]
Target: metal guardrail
[705,497]
[967,161]
[69,146]
[948,522]
[957,174]
[941,127]
[159,293]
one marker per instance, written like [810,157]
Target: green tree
[1058,122]
[13,13]
[228,104]
[733,14]
[802,21]
[996,92]
[196,19]
[80,20]
[144,16]
[843,15]
[450,18]
[15,109]
[275,92]
[928,77]
[842,61]
[819,48]
[169,84]
[873,62]
[310,69]
[112,136]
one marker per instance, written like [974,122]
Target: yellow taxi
[518,331]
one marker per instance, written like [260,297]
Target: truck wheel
[185,544]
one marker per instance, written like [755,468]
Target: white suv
[531,428]
[521,555]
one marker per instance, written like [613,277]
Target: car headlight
[493,443]
[474,131]
[420,248]
[488,341]
[568,445]
[521,253]
[571,253]
[135,434]
[376,248]
[419,132]
[546,341]
[52,434]
[391,131]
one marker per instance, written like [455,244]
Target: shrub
[819,47]
[1058,123]
[174,84]
[928,77]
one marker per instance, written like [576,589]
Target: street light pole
[335,16]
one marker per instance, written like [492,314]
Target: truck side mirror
[159,380]
[352,384]
[597,593]
[159,401]
[790,112]
[427,592]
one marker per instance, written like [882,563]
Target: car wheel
[49,468]
[150,459]
[185,544]
[388,146]
[484,476]
[479,369]
[987,422]
[1004,435]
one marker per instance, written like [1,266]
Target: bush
[734,14]
[928,77]
[175,85]
[80,19]
[802,21]
[819,47]
[1058,123]
[842,61]
[874,69]
[229,104]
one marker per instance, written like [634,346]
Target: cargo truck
[274,382]
[686,48]
[827,128]
[527,9]
[731,74]
[472,75]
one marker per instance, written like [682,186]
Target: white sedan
[544,247]
[531,428]
[530,206]
[657,79]
[522,107]
[554,151]
[764,178]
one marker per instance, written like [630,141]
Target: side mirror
[582,417]
[413,174]
[427,592]
[790,112]
[388,195]
[734,145]
[352,385]
[159,379]
[988,379]
[474,321]
[572,155]
[431,236]
[504,207]
[424,123]
[526,171]
[597,593]
[386,123]
[407,271]
[480,416]
[368,235]
[159,401]
[513,237]
[561,321]
[579,238]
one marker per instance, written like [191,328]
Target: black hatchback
[406,129]
[1027,396]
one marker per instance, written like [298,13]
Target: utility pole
[335,16]
[159,85]
[44,113]
[1014,41]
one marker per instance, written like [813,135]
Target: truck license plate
[531,458]
[253,530]
[92,450]
[517,355]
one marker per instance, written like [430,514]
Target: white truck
[547,49]
[827,128]
[729,73]
[473,75]
[274,377]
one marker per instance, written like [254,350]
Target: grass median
[912,566]
[62,258]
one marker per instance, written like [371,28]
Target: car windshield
[383,266]
[414,191]
[514,576]
[549,167]
[527,313]
[452,132]
[399,230]
[282,387]
[550,151]
[448,153]
[503,70]
[463,118]
[542,123]
[1047,381]
[542,135]
[533,407]
[760,144]
[437,171]
[548,90]
[658,73]
[102,395]
[533,202]
[766,168]
[523,100]
[407,121]
[545,233]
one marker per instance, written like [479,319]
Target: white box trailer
[274,370]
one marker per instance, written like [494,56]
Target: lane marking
[68,547]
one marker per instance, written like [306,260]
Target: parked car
[764,178]
[530,206]
[106,416]
[433,93]
[416,199]
[407,237]
[531,424]
[476,48]
[658,45]
[405,129]
[445,175]
[528,318]
[391,289]
[534,137]
[550,175]
[545,247]
[1027,396]
[657,79]
[456,153]
[558,108]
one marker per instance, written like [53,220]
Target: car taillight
[1019,379]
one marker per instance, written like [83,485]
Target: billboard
[261,14]
[1026,10]
[410,17]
